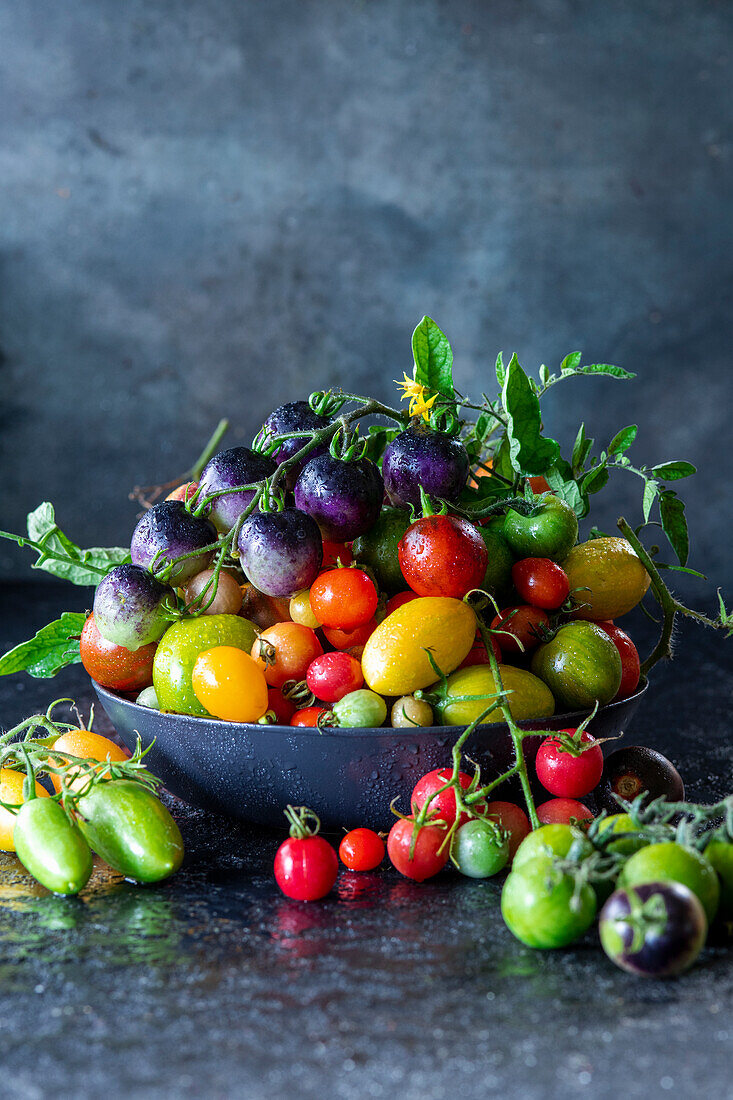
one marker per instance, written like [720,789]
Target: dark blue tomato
[294,416]
[656,929]
[280,552]
[419,456]
[226,470]
[167,531]
[344,498]
[129,607]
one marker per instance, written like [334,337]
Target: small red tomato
[345,639]
[513,820]
[112,665]
[308,716]
[399,600]
[565,775]
[184,492]
[442,556]
[344,598]
[361,850]
[630,664]
[334,675]
[426,859]
[444,804]
[282,707]
[559,811]
[540,582]
[335,552]
[522,622]
[306,867]
[477,654]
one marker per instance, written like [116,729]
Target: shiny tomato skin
[540,582]
[361,850]
[444,804]
[345,639]
[308,716]
[559,811]
[282,707]
[513,820]
[477,655]
[89,746]
[442,556]
[306,868]
[523,622]
[399,599]
[568,776]
[539,484]
[629,654]
[112,665]
[343,598]
[426,859]
[335,552]
[333,675]
[285,650]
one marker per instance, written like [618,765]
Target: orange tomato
[290,648]
[86,744]
[230,684]
[11,790]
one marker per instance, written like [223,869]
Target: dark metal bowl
[348,776]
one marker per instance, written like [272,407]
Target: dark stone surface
[211,208]
[216,985]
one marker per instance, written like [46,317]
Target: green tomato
[130,828]
[554,840]
[360,709]
[542,908]
[469,691]
[621,823]
[549,531]
[580,665]
[720,854]
[377,549]
[51,847]
[498,577]
[480,848]
[672,862]
[177,652]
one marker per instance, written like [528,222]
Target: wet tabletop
[215,985]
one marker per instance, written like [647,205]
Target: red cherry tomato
[334,675]
[426,858]
[513,820]
[284,652]
[282,707]
[345,639]
[112,665]
[522,622]
[444,804]
[442,556]
[306,868]
[559,811]
[335,552]
[565,775]
[308,716]
[630,664]
[540,582]
[539,484]
[399,600]
[477,654]
[361,850]
[345,598]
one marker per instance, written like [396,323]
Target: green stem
[209,450]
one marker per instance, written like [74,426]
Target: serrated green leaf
[672,512]
[433,358]
[83,567]
[500,369]
[651,492]
[622,440]
[571,361]
[530,453]
[51,649]
[674,471]
[569,491]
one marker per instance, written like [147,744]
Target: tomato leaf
[377,439]
[604,368]
[568,490]
[595,479]
[433,358]
[529,452]
[571,362]
[58,555]
[672,512]
[651,492]
[622,440]
[500,369]
[52,648]
[673,471]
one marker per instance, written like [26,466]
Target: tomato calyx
[303,822]
[347,445]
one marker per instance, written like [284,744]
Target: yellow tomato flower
[419,404]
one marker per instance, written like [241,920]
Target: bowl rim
[569,717]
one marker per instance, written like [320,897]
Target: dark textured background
[210,207]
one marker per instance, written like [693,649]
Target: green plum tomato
[580,665]
[177,652]
[51,847]
[672,862]
[549,531]
[130,828]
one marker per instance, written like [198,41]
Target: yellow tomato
[529,697]
[11,791]
[301,610]
[230,684]
[395,661]
[86,744]
[609,578]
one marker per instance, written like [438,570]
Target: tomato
[400,599]
[513,821]
[361,850]
[719,853]
[672,862]
[566,775]
[480,848]
[112,665]
[469,692]
[427,858]
[306,866]
[335,552]
[345,598]
[184,492]
[284,652]
[442,556]
[51,847]
[629,654]
[520,623]
[477,655]
[606,577]
[131,829]
[308,716]
[11,791]
[264,611]
[539,484]
[347,639]
[230,684]
[409,712]
[220,597]
[360,709]
[542,907]
[549,531]
[553,839]
[88,745]
[581,665]
[377,549]
[540,582]
[621,823]
[333,675]
[177,652]
[500,559]
[301,611]
[563,811]
[442,805]
[282,707]
[654,930]
[395,660]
